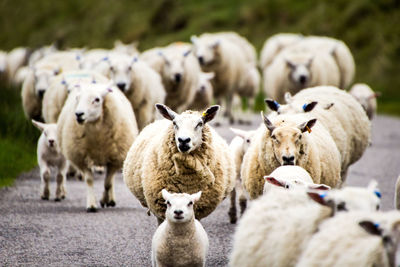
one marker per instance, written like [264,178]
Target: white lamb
[204,93]
[182,154]
[290,140]
[355,239]
[96,127]
[238,147]
[293,71]
[181,239]
[366,97]
[49,157]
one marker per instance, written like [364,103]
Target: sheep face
[206,50]
[204,82]
[180,206]
[49,132]
[188,127]
[89,101]
[120,72]
[245,135]
[42,80]
[174,67]
[300,73]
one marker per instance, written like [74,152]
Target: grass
[367,26]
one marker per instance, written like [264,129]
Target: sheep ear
[194,39]
[239,132]
[210,113]
[272,104]
[196,196]
[107,90]
[187,53]
[318,197]
[267,123]
[274,181]
[209,75]
[373,187]
[166,112]
[319,186]
[216,44]
[41,126]
[328,106]
[306,126]
[309,62]
[310,106]
[165,194]
[288,98]
[371,227]
[290,64]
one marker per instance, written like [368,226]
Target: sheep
[16,58]
[96,127]
[93,57]
[153,59]
[230,63]
[340,113]
[49,156]
[40,53]
[289,140]
[275,44]
[204,92]
[140,83]
[129,49]
[293,71]
[181,239]
[238,147]
[274,230]
[182,154]
[58,90]
[366,97]
[354,239]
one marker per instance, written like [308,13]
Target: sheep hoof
[233,220]
[91,209]
[57,199]
[111,203]
[231,121]
[44,197]
[62,197]
[102,203]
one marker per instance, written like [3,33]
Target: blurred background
[369,27]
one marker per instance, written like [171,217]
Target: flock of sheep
[150,114]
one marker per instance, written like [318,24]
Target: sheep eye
[111,68]
[190,203]
[248,141]
[287,186]
[341,206]
[273,137]
[97,100]
[129,68]
[168,203]
[199,124]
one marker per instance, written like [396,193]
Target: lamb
[238,147]
[344,118]
[57,93]
[181,154]
[293,71]
[275,44]
[366,97]
[230,64]
[289,140]
[204,92]
[274,231]
[181,239]
[354,239]
[49,156]
[140,83]
[96,115]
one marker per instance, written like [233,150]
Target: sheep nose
[201,60]
[178,77]
[51,142]
[79,115]
[41,92]
[178,212]
[184,140]
[121,86]
[288,160]
[303,79]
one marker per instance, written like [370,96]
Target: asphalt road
[34,232]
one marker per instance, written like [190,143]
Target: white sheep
[204,92]
[181,239]
[366,97]
[96,127]
[289,140]
[292,71]
[341,115]
[93,57]
[238,147]
[40,53]
[278,226]
[153,59]
[275,44]
[130,49]
[230,63]
[16,58]
[182,154]
[354,239]
[49,156]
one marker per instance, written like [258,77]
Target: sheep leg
[232,209]
[108,195]
[159,221]
[45,179]
[90,197]
[61,177]
[228,111]
[242,196]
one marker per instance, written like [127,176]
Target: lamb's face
[49,131]
[120,72]
[42,80]
[174,66]
[89,101]
[205,49]
[180,206]
[300,73]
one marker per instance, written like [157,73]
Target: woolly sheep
[340,113]
[204,92]
[182,154]
[289,140]
[16,58]
[96,127]
[354,239]
[293,71]
[366,97]
[230,64]
[238,147]
[275,230]
[275,44]
[49,156]
[58,90]
[181,239]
